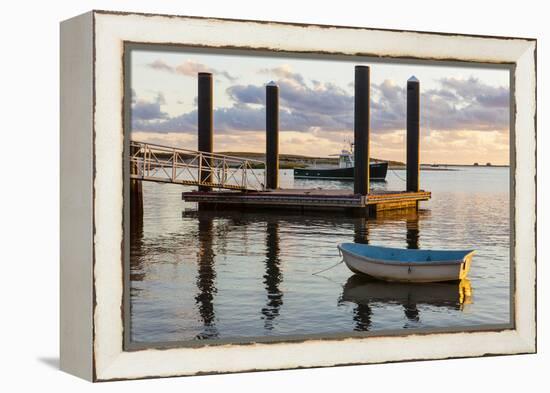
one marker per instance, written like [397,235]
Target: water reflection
[273,276]
[228,274]
[361,230]
[359,290]
[411,219]
[413,233]
[363,292]
[237,234]
[206,277]
[136,247]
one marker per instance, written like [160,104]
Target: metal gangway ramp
[165,164]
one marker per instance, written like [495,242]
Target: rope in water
[399,177]
[328,268]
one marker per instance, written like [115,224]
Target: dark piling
[362,130]
[413,134]
[272,135]
[205,126]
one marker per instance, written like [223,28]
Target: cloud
[247,94]
[189,68]
[314,106]
[161,65]
[285,73]
[466,104]
[388,106]
[144,111]
[161,100]
[474,90]
[303,107]
[236,118]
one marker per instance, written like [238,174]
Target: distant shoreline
[291,161]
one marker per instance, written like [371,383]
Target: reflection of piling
[413,134]
[273,275]
[205,126]
[411,312]
[354,292]
[413,234]
[362,315]
[362,130]
[272,135]
[137,248]
[206,277]
[361,231]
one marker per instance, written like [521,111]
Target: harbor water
[241,275]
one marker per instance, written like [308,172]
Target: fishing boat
[345,170]
[406,265]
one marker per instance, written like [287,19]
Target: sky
[464,111]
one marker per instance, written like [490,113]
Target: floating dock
[309,199]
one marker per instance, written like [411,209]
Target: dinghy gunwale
[464,259]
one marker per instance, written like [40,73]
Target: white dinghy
[396,264]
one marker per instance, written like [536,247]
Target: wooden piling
[205,125]
[136,193]
[272,135]
[413,134]
[362,130]
[136,200]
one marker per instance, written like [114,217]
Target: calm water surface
[233,275]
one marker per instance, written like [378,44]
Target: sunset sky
[464,111]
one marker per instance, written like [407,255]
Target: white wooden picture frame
[92,244]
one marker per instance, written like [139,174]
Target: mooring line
[399,177]
[328,268]
[332,281]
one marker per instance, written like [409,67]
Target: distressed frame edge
[525,85]
[129,346]
[76,196]
[526,339]
[305,24]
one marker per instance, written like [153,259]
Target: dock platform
[308,199]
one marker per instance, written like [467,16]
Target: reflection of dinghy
[395,264]
[360,289]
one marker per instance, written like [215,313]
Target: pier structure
[309,200]
[235,182]
[166,164]
[361,199]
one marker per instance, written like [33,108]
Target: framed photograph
[245,195]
